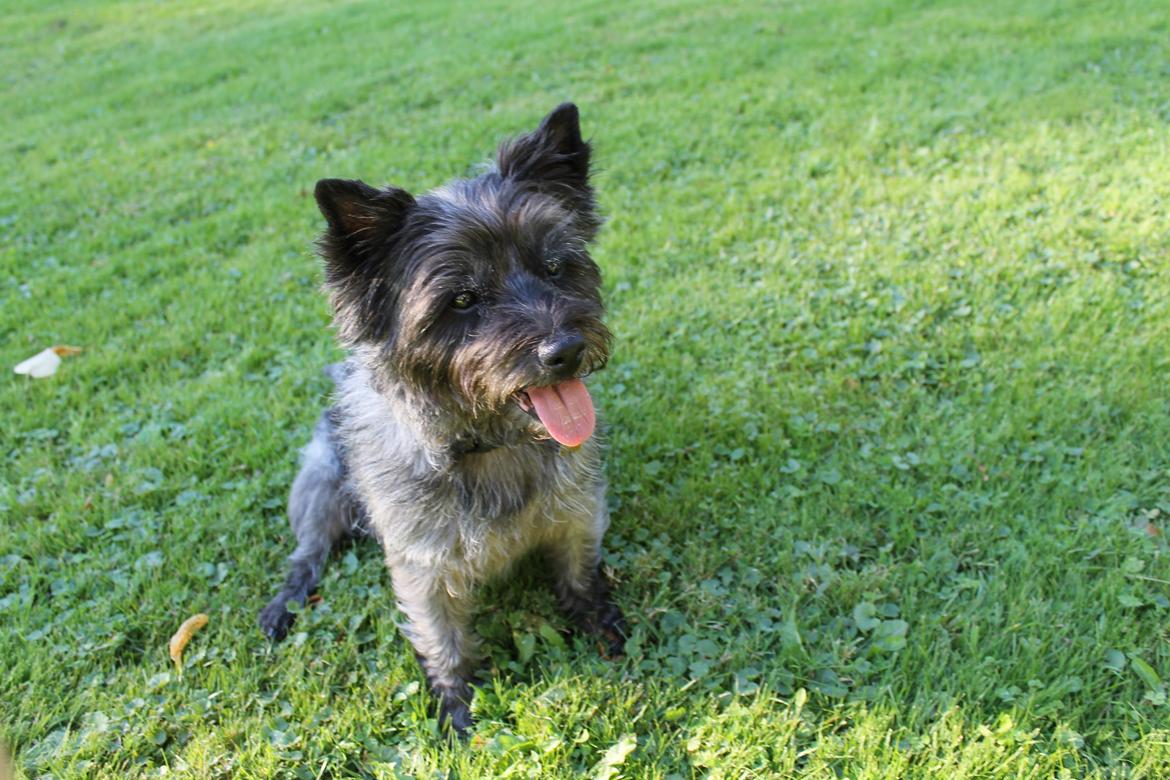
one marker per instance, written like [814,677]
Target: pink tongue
[566,410]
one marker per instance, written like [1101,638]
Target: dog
[462,435]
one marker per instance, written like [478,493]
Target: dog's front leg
[439,628]
[583,590]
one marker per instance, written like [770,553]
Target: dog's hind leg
[321,514]
[583,590]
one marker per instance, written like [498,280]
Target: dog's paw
[455,716]
[275,619]
[612,630]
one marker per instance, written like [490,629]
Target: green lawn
[889,404]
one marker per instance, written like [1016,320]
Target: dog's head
[482,293]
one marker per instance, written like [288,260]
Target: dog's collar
[474,446]
[471,447]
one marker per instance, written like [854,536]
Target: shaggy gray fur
[426,446]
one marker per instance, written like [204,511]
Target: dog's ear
[553,156]
[360,218]
[362,224]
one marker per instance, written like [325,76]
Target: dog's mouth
[564,409]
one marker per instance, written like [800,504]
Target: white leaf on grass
[45,363]
[40,365]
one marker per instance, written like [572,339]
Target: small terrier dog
[462,434]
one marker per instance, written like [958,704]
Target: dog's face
[481,293]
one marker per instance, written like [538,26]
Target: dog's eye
[464,300]
[553,268]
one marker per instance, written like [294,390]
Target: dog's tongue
[566,410]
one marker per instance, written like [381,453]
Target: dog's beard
[498,389]
[561,410]
[564,409]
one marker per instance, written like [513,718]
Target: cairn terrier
[461,434]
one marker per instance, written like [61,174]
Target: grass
[889,415]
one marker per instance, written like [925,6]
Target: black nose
[562,354]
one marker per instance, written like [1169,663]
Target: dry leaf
[40,365]
[45,363]
[183,636]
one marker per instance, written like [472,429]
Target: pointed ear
[554,154]
[360,218]
[363,224]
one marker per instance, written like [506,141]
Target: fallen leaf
[183,636]
[45,363]
[315,599]
[40,365]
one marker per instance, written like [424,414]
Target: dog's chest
[473,512]
[501,484]
[483,511]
